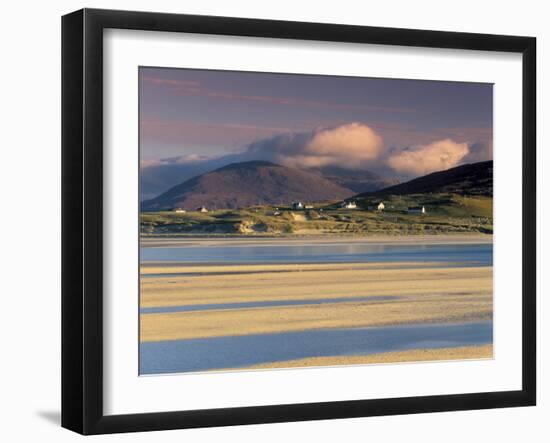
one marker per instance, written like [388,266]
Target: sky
[192,121]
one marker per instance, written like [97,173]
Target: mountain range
[469,179]
[244,184]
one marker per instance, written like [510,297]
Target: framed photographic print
[269,221]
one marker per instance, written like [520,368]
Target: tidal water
[241,351]
[349,252]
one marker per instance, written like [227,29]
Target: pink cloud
[345,145]
[423,159]
[352,145]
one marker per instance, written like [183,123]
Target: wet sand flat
[425,295]
[187,325]
[242,283]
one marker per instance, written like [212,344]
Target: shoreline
[161,269]
[434,239]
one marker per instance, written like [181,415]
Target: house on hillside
[297,206]
[380,206]
[416,210]
[349,205]
[202,209]
[179,210]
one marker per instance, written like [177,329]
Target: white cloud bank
[423,159]
[350,145]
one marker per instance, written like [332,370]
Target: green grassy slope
[446,213]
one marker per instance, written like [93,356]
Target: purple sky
[188,117]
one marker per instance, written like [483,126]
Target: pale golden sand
[242,283]
[413,355]
[426,295]
[170,268]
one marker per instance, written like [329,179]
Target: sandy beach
[422,295]
[205,301]
[413,355]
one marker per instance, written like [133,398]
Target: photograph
[294,221]
[279,221]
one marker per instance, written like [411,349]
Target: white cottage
[349,205]
[377,206]
[417,210]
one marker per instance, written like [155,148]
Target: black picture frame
[82,219]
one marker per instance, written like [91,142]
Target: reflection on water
[263,304]
[241,351]
[476,254]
